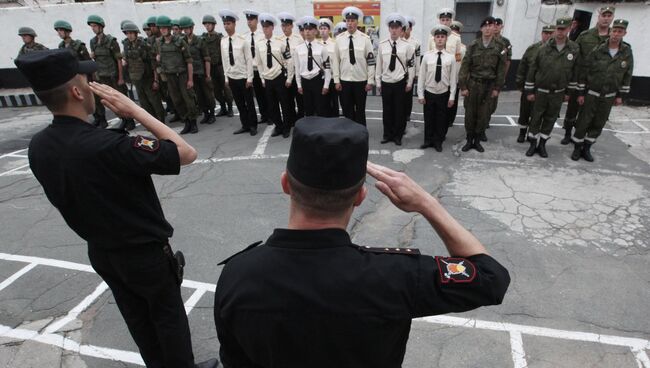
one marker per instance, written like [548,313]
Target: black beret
[498,21]
[49,69]
[328,153]
[488,20]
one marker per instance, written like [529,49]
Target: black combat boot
[567,137]
[206,114]
[586,151]
[577,151]
[223,110]
[230,112]
[541,149]
[522,135]
[211,117]
[477,143]
[469,144]
[193,128]
[533,146]
[482,137]
[186,128]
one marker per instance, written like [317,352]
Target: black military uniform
[312,298]
[100,181]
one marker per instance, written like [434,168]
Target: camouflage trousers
[184,99]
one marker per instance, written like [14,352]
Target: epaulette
[407,251]
[240,252]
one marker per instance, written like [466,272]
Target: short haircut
[321,202]
[56,99]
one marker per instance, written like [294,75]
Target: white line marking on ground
[13,153]
[511,120]
[640,125]
[517,350]
[11,279]
[263,142]
[641,358]
[8,172]
[193,299]
[78,309]
[264,157]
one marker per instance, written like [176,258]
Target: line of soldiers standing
[592,74]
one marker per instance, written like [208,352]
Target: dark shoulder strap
[379,250]
[240,252]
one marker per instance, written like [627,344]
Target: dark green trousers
[477,107]
[592,118]
[545,112]
[525,110]
[149,99]
[184,99]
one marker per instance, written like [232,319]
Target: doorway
[471,15]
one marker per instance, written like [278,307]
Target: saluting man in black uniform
[100,181]
[309,297]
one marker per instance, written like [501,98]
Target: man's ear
[361,195]
[284,180]
[75,92]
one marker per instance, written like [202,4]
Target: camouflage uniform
[31,47]
[525,107]
[507,50]
[106,52]
[222,92]
[203,88]
[77,48]
[551,76]
[140,59]
[482,71]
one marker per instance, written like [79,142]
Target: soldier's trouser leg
[189,98]
[274,90]
[174,86]
[100,110]
[151,99]
[245,102]
[141,87]
[204,93]
[592,118]
[525,110]
[537,117]
[552,111]
[472,103]
[572,110]
[149,298]
[436,121]
[222,92]
[293,91]
[393,96]
[332,101]
[260,96]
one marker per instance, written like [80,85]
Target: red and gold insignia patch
[456,270]
[146,144]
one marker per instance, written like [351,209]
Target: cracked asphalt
[574,235]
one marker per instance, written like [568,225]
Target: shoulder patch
[455,270]
[146,144]
[240,252]
[407,251]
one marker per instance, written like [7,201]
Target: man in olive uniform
[153,40]
[139,58]
[29,45]
[551,76]
[603,82]
[76,47]
[176,28]
[221,91]
[481,77]
[506,49]
[587,41]
[201,67]
[105,50]
[525,106]
[176,64]
[147,31]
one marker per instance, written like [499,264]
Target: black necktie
[253,44]
[353,60]
[439,68]
[310,58]
[269,58]
[288,45]
[393,57]
[231,56]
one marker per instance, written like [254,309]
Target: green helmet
[175,22]
[152,20]
[122,23]
[130,27]
[209,19]
[62,24]
[163,21]
[96,19]
[26,31]
[185,22]
[145,27]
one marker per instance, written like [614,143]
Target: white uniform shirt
[418,53]
[363,69]
[330,44]
[321,62]
[243,67]
[250,36]
[404,63]
[280,57]
[449,74]
[294,40]
[453,45]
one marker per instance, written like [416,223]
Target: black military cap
[328,153]
[48,69]
[488,20]
[498,21]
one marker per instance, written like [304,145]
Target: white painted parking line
[637,346]
[640,125]
[9,172]
[77,310]
[511,120]
[11,279]
[264,141]
[13,153]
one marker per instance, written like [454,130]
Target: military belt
[605,95]
[482,80]
[550,90]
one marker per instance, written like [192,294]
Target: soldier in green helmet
[146,30]
[202,70]
[176,28]
[139,57]
[212,40]
[153,28]
[173,54]
[602,83]
[525,106]
[162,79]
[29,45]
[76,47]
[105,50]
